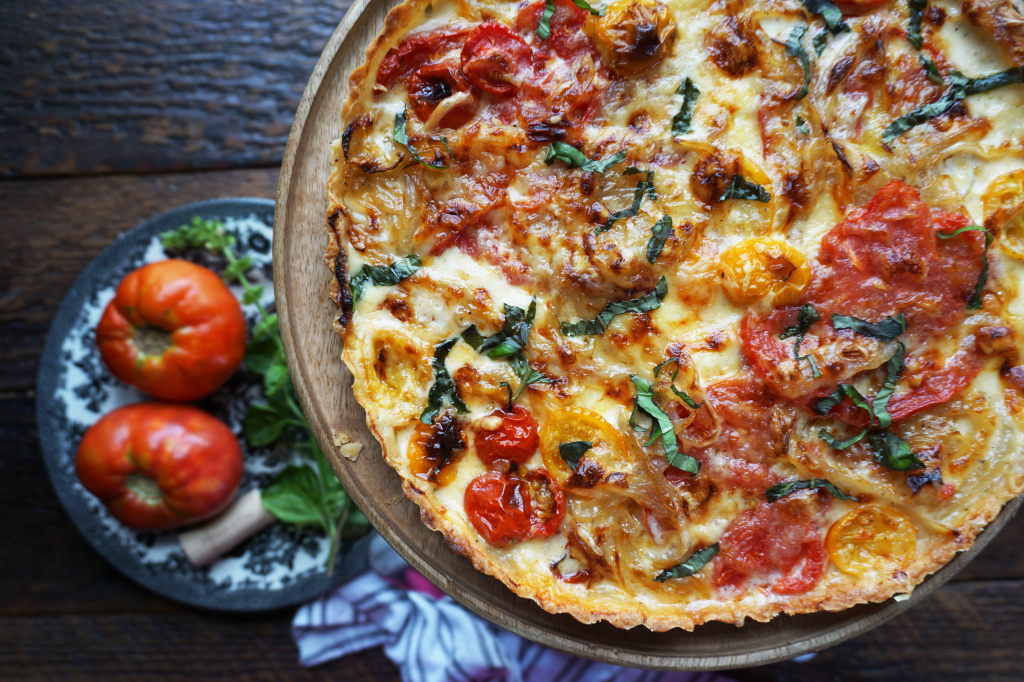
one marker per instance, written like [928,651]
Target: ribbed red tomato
[514,441]
[159,466]
[492,58]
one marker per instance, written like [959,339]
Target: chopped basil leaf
[885,330]
[645,403]
[841,444]
[644,187]
[802,126]
[632,170]
[819,41]
[682,121]
[917,8]
[659,235]
[544,25]
[573,452]
[892,375]
[527,375]
[795,48]
[511,398]
[696,562]
[979,288]
[741,188]
[402,138]
[511,339]
[582,4]
[444,385]
[383,275]
[574,158]
[808,315]
[645,303]
[892,452]
[960,86]
[832,15]
[931,69]
[815,372]
[780,490]
[690,402]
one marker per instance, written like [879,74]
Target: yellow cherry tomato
[396,367]
[632,35]
[755,268]
[1003,203]
[427,456]
[575,424]
[872,539]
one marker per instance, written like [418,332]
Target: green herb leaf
[931,69]
[574,158]
[198,234]
[979,288]
[832,15]
[444,386]
[741,188]
[294,497]
[659,235]
[527,375]
[383,275]
[807,316]
[511,339]
[841,444]
[892,375]
[819,42]
[402,138]
[917,8]
[892,452]
[780,490]
[252,295]
[682,121]
[795,48]
[544,25]
[885,330]
[583,4]
[645,303]
[573,452]
[696,562]
[263,424]
[644,187]
[645,403]
[690,402]
[802,126]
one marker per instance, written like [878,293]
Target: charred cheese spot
[731,48]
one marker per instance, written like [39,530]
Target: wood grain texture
[324,387]
[127,85]
[54,228]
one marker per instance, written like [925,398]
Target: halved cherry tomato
[755,268]
[773,538]
[498,506]
[872,539]
[173,330]
[548,503]
[160,466]
[434,449]
[579,424]
[492,57]
[514,440]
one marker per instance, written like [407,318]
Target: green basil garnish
[402,138]
[383,275]
[802,126]
[645,403]
[780,490]
[659,235]
[841,444]
[893,367]
[696,562]
[574,158]
[644,187]
[573,452]
[884,330]
[583,4]
[917,8]
[645,303]
[807,316]
[931,69]
[690,402]
[741,188]
[819,41]
[892,452]
[795,48]
[444,386]
[544,25]
[832,15]
[979,288]
[682,121]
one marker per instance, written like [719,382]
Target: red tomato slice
[433,83]
[416,51]
[858,6]
[499,508]
[514,441]
[493,57]
[545,487]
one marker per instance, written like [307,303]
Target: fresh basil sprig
[574,158]
[444,386]
[682,122]
[892,452]
[645,303]
[574,451]
[644,402]
[687,568]
[960,86]
[660,233]
[807,316]
[979,288]
[643,188]
[893,367]
[402,138]
[795,48]
[780,490]
[307,494]
[383,275]
[917,8]
[819,41]
[832,15]
[883,330]
[741,188]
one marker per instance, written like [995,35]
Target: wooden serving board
[301,281]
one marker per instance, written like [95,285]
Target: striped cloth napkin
[433,639]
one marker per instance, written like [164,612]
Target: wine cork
[243,519]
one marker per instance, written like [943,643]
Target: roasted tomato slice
[872,539]
[548,502]
[580,424]
[492,58]
[434,449]
[514,439]
[415,52]
[858,6]
[498,506]
[442,85]
[772,539]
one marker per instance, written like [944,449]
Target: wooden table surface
[113,111]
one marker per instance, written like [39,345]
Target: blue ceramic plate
[276,567]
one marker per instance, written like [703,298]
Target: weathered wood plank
[53,228]
[158,85]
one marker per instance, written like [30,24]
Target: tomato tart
[670,311]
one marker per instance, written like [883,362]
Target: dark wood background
[114,111]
